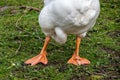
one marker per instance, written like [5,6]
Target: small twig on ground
[18,48]
[30,8]
[18,21]
[3,8]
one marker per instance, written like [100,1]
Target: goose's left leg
[40,58]
[76,59]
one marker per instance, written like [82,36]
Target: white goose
[58,18]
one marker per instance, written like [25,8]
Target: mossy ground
[21,38]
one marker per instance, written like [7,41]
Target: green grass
[22,38]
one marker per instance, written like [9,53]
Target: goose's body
[58,18]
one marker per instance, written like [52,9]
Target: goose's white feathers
[59,18]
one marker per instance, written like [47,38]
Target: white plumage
[59,18]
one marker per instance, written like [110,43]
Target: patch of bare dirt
[111,51]
[112,70]
[114,34]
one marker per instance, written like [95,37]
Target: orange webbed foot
[41,58]
[77,60]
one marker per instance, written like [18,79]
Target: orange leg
[76,59]
[40,58]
